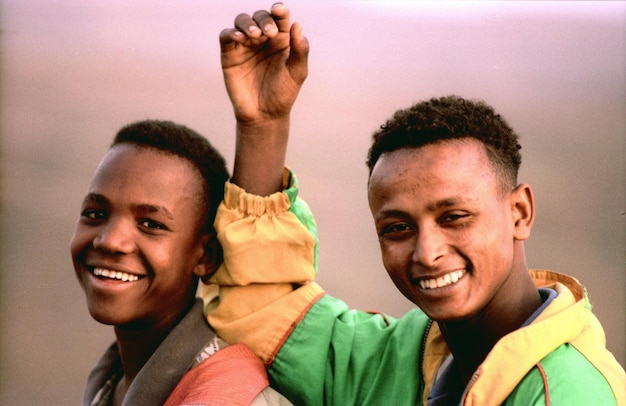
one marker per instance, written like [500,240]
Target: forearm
[260,156]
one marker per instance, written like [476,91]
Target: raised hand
[264,61]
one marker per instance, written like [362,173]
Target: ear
[210,258]
[522,211]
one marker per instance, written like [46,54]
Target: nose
[429,247]
[115,237]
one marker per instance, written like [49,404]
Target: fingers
[298,57]
[229,38]
[280,14]
[254,30]
[247,26]
[262,22]
[265,22]
[254,27]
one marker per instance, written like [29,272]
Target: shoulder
[232,375]
[356,333]
[331,313]
[564,376]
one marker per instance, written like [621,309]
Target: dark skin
[139,249]
[444,217]
[471,323]
[264,62]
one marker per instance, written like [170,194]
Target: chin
[106,314]
[104,319]
[447,318]
[444,313]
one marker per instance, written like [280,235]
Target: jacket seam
[544,378]
[293,325]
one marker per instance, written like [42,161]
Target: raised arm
[269,239]
[264,61]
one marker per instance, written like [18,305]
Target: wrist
[274,127]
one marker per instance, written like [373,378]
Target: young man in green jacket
[451,221]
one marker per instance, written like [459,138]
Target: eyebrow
[142,208]
[444,203]
[151,208]
[95,198]
[432,207]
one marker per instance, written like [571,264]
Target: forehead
[146,173]
[459,166]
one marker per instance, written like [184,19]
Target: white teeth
[122,276]
[440,282]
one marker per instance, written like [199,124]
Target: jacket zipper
[421,364]
[469,386]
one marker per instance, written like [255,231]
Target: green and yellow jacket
[318,351]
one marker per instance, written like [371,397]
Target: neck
[137,343]
[135,348]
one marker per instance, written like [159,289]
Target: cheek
[175,259]
[161,256]
[494,252]
[397,266]
[386,256]
[396,258]
[80,239]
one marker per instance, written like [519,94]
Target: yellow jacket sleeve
[266,280]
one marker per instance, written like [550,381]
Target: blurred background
[74,72]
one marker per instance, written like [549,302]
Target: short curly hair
[446,118]
[178,140]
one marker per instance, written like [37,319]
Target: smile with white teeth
[122,276]
[440,282]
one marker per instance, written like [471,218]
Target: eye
[151,225]
[93,214]
[453,218]
[395,231]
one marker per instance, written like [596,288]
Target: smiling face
[447,232]
[137,246]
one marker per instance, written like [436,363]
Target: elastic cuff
[248,204]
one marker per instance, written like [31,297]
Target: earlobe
[523,211]
[211,257]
